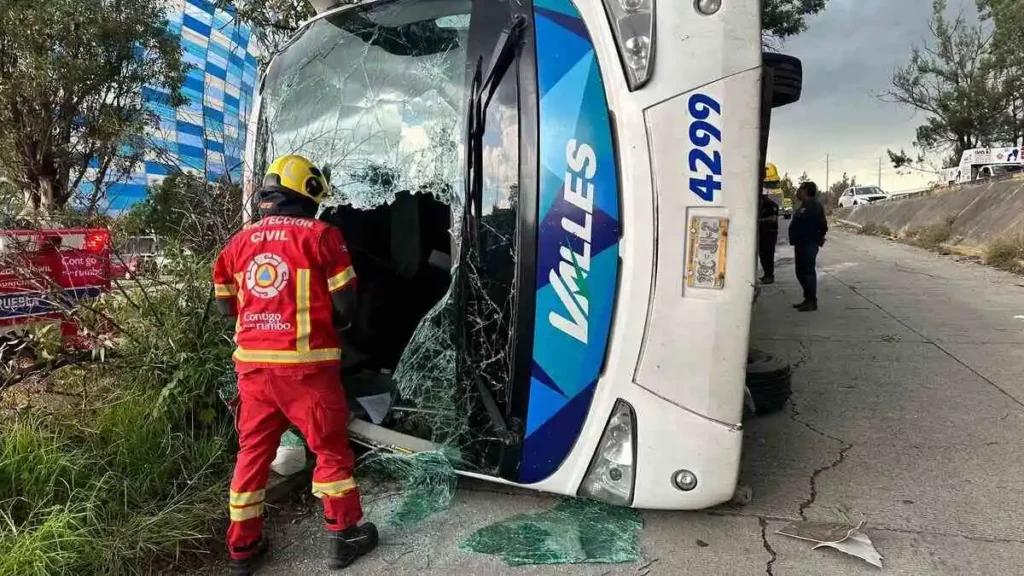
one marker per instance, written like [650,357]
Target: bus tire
[769,382]
[788,78]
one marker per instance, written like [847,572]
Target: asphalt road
[908,409]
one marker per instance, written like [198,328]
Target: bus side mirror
[787,76]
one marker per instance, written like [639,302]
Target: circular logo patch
[266,275]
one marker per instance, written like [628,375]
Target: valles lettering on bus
[569,280]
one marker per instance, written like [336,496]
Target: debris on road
[573,532]
[743,496]
[846,538]
[407,489]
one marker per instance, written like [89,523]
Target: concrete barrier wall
[979,213]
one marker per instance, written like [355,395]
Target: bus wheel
[769,383]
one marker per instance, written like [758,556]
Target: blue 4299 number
[705,147]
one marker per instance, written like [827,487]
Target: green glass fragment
[573,532]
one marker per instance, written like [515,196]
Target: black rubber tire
[788,78]
[770,382]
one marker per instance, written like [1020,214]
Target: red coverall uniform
[281,273]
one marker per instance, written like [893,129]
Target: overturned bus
[551,208]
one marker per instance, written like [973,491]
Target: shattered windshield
[378,95]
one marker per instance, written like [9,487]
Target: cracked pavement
[907,409]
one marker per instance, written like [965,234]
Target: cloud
[849,54]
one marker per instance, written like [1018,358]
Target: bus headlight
[633,27]
[612,471]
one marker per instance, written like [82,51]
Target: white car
[858,195]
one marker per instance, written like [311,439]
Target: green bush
[1007,253]
[931,236]
[875,229]
[128,475]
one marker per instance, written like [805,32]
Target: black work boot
[800,305]
[809,306]
[351,543]
[248,566]
[768,280]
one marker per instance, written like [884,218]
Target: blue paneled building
[206,135]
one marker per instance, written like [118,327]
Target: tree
[188,211]
[953,80]
[803,178]
[273,21]
[71,102]
[831,196]
[787,187]
[785,18]
[1007,18]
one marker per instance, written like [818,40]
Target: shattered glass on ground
[573,532]
[401,491]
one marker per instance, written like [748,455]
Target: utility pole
[879,171]
[827,159]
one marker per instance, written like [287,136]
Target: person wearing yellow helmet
[289,282]
[293,186]
[768,225]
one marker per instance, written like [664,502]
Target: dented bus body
[551,206]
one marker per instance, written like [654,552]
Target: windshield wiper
[482,90]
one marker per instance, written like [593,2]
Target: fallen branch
[50,365]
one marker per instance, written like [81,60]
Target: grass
[932,236]
[128,476]
[1007,253]
[107,489]
[875,229]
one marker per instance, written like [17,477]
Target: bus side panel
[704,150]
[577,239]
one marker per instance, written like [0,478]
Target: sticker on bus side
[705,155]
[577,239]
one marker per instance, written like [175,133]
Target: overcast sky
[849,54]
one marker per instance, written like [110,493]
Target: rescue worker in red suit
[289,282]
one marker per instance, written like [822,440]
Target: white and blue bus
[551,207]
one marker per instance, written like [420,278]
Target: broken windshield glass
[379,94]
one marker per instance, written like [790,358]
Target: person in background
[768,223]
[807,235]
[767,237]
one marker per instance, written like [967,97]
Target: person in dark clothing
[807,234]
[767,237]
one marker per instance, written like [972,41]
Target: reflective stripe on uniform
[242,499]
[341,280]
[238,317]
[302,305]
[224,291]
[246,513]
[241,294]
[332,489]
[288,356]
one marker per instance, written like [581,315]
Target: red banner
[42,271]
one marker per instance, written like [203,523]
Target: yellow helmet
[771,177]
[298,175]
